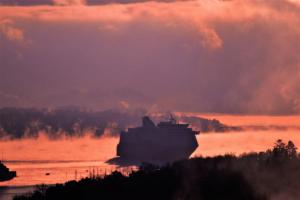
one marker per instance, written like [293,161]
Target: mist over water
[69,158]
[33,158]
[84,148]
[242,142]
[248,140]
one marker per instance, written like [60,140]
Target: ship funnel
[147,122]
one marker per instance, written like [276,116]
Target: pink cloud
[226,56]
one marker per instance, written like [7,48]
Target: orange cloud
[10,31]
[69,2]
[171,14]
[253,67]
[199,14]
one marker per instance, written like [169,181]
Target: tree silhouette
[291,150]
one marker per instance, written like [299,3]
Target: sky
[236,56]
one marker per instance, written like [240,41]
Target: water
[44,161]
[62,159]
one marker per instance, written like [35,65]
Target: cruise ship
[166,141]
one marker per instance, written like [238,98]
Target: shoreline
[8,192]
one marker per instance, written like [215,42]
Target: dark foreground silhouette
[255,176]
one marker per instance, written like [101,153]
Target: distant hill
[71,121]
[51,2]
[26,2]
[28,122]
[208,125]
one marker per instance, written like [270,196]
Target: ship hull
[152,152]
[160,151]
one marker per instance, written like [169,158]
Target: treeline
[274,174]
[208,125]
[17,123]
[29,122]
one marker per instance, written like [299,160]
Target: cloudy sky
[239,56]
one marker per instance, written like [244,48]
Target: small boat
[5,173]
